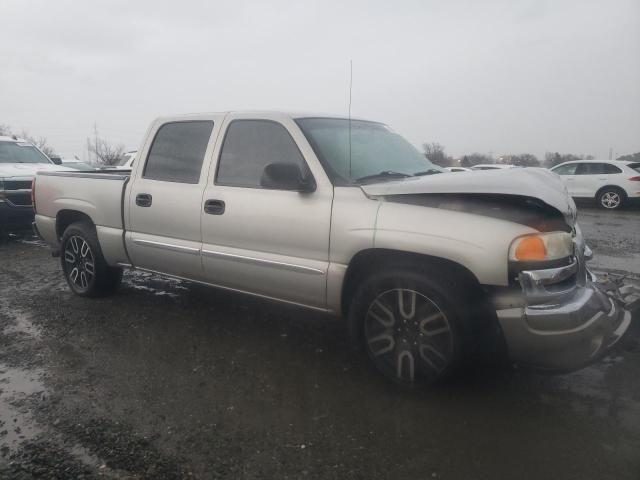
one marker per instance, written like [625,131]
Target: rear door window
[177,152]
[569,169]
[583,169]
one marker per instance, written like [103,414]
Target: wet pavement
[168,379]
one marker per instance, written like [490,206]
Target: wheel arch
[612,187]
[66,217]
[368,261]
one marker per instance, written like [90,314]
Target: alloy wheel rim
[408,336]
[79,262]
[610,200]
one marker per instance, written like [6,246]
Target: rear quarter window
[611,169]
[634,166]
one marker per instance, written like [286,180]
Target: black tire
[417,356]
[83,264]
[611,198]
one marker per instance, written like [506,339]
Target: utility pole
[95,144]
[610,153]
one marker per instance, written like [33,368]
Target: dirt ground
[168,380]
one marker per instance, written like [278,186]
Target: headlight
[541,247]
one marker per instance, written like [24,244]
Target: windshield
[376,151]
[19,152]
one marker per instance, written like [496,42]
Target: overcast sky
[477,76]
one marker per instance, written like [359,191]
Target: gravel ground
[168,379]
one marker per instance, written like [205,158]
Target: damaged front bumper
[560,319]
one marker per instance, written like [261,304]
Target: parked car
[423,266]
[19,162]
[77,164]
[457,169]
[610,182]
[492,166]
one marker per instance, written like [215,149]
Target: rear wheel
[611,198]
[411,326]
[83,264]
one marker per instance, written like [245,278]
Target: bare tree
[105,153]
[435,153]
[475,159]
[40,142]
[553,159]
[632,157]
[524,160]
[5,130]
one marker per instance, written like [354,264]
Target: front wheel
[411,326]
[611,198]
[83,264]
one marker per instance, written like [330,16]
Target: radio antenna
[350,90]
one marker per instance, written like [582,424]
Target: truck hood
[505,185]
[28,169]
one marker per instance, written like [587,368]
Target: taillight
[635,179]
[33,193]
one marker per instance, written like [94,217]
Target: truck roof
[271,113]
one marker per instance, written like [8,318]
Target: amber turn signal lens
[531,248]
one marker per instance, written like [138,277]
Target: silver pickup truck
[343,216]
[19,162]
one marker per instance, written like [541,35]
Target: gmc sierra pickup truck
[343,216]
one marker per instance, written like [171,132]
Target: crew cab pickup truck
[19,162]
[343,216]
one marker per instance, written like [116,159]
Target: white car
[457,169]
[492,166]
[610,182]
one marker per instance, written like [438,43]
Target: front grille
[17,184]
[20,199]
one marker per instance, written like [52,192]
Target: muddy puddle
[18,385]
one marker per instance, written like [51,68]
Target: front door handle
[144,199]
[214,207]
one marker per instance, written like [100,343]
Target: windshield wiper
[383,174]
[426,172]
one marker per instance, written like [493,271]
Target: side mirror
[286,176]
[56,160]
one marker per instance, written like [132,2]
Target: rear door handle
[144,199]
[214,207]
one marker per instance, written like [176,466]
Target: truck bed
[98,195]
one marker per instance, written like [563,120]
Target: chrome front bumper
[559,319]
